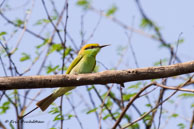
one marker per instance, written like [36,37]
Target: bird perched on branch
[84,63]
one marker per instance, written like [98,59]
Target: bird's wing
[73,64]
[94,67]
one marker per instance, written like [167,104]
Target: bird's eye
[91,47]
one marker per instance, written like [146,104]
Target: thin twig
[61,111]
[102,105]
[3,65]
[55,27]
[76,116]
[192,121]
[109,111]
[129,104]
[144,115]
[93,103]
[65,37]
[2,4]
[156,29]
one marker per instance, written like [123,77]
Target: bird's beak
[104,45]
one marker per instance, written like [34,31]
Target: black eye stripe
[91,47]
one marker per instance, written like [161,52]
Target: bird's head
[91,49]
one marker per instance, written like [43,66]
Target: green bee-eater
[83,63]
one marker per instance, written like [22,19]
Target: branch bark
[110,76]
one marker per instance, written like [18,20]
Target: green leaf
[11,125]
[112,95]
[3,33]
[145,23]
[127,117]
[44,43]
[116,115]
[181,126]
[175,115]
[109,103]
[69,116]
[92,110]
[186,95]
[148,105]
[54,110]
[180,41]
[56,47]
[192,105]
[135,126]
[126,97]
[83,3]
[135,86]
[111,11]
[164,45]
[67,51]
[51,69]
[148,117]
[68,93]
[162,61]
[58,117]
[105,117]
[54,17]
[171,101]
[153,80]
[19,22]
[4,107]
[90,88]
[45,20]
[24,57]
[41,21]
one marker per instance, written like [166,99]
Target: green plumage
[84,63]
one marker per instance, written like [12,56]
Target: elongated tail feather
[44,103]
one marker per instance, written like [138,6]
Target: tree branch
[110,76]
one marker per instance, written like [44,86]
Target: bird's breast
[85,65]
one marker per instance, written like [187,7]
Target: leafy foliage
[186,95]
[83,3]
[181,126]
[51,69]
[67,51]
[3,33]
[56,111]
[5,106]
[44,43]
[48,45]
[11,125]
[46,21]
[145,23]
[56,47]
[161,62]
[175,115]
[92,110]
[126,97]
[69,116]
[19,22]
[24,57]
[135,86]
[111,11]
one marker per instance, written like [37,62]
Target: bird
[84,63]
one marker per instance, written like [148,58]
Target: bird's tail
[44,103]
